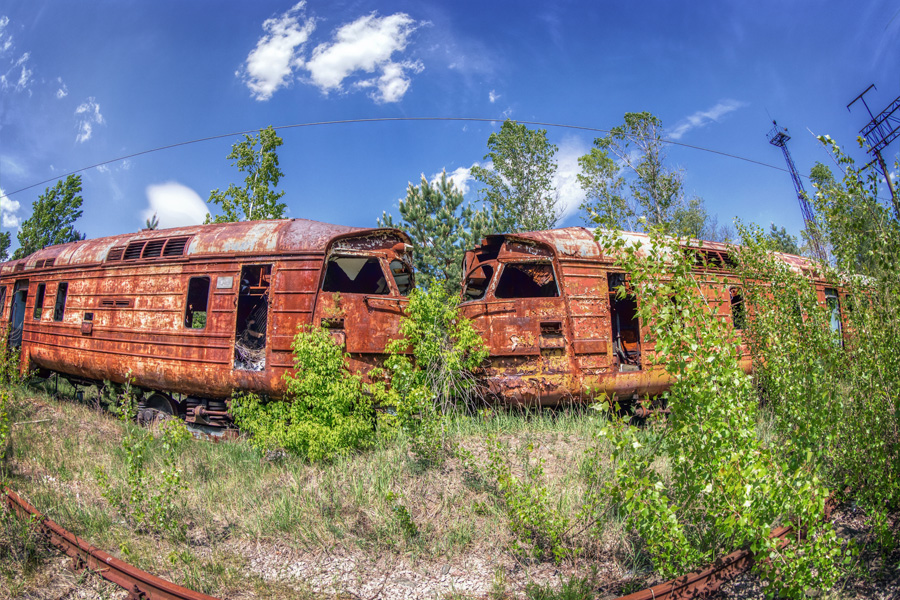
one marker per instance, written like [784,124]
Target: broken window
[354,275]
[738,312]
[402,276]
[2,300]
[477,282]
[527,280]
[59,309]
[626,329]
[252,318]
[197,301]
[39,301]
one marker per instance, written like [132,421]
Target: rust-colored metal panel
[130,308]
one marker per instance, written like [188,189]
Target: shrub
[147,499]
[431,369]
[327,411]
[709,485]
[835,394]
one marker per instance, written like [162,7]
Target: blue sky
[86,82]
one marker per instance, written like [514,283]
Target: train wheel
[156,406]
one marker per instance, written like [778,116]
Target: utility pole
[779,137]
[879,133]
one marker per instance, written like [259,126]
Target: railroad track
[144,586]
[139,584]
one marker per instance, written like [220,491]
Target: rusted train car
[545,304]
[193,313]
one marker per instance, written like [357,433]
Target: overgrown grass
[239,508]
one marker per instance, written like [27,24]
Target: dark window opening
[527,280]
[39,301]
[626,329]
[252,318]
[197,303]
[403,276]
[17,313]
[477,282]
[354,275]
[59,308]
[2,300]
[738,311]
[833,304]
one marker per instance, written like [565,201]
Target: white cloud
[270,65]
[367,45]
[8,210]
[361,53]
[460,178]
[493,96]
[174,204]
[569,192]
[63,90]
[703,118]
[86,116]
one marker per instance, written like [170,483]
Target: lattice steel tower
[779,137]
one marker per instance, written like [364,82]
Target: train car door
[252,318]
[17,314]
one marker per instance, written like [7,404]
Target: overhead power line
[379,120]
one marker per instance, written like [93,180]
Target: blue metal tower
[779,137]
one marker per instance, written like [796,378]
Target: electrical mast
[879,133]
[779,137]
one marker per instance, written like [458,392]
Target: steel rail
[139,584]
[704,583]
[144,586]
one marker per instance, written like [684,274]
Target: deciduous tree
[53,214]
[257,199]
[625,177]
[519,187]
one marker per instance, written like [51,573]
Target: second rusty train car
[192,313]
[545,304]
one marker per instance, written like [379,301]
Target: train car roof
[579,242]
[244,237]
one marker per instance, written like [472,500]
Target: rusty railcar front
[545,304]
[202,311]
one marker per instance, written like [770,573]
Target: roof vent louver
[153,248]
[175,246]
[133,251]
[115,253]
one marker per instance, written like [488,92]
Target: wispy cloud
[493,96]
[361,54]
[86,116]
[17,76]
[703,118]
[174,204]
[271,64]
[63,90]
[8,210]
[6,41]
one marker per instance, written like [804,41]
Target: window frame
[39,297]
[189,312]
[59,308]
